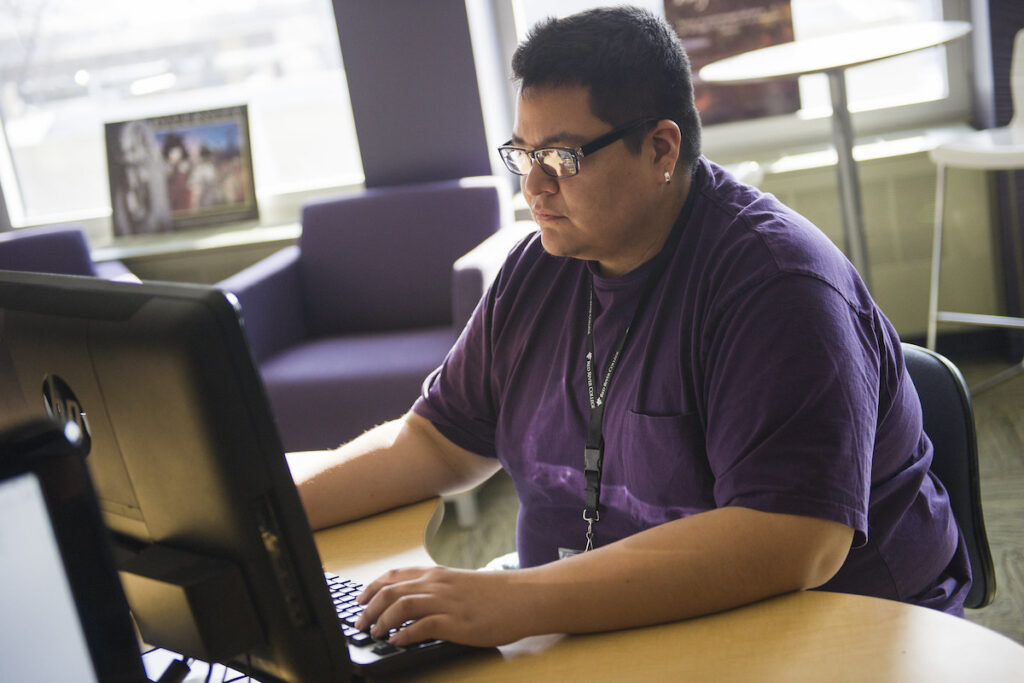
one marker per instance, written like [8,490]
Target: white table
[833,55]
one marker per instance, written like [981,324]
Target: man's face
[599,213]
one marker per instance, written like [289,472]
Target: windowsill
[195,240]
[278,223]
[873,148]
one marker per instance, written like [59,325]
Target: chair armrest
[270,295]
[474,271]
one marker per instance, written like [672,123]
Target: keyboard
[377,656]
[369,656]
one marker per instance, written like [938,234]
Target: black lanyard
[593,451]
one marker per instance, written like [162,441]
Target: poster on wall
[715,30]
[180,171]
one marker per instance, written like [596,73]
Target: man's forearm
[704,564]
[342,484]
[396,463]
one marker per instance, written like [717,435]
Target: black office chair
[949,423]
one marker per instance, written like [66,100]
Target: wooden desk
[811,636]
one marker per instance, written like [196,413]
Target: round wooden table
[810,636]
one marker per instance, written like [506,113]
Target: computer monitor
[215,551]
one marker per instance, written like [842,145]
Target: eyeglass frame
[578,152]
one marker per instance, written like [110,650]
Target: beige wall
[898,196]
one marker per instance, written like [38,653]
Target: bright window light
[68,67]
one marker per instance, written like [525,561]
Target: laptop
[213,547]
[64,614]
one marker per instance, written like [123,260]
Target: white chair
[998,149]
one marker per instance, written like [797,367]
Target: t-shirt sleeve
[792,381]
[459,396]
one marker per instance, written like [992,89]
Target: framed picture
[180,171]
[713,31]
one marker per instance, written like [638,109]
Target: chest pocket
[657,467]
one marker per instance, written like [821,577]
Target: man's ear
[666,139]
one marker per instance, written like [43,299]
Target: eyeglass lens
[553,161]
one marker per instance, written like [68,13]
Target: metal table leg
[855,241]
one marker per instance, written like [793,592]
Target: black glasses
[562,162]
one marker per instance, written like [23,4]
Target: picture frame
[180,171]
[713,31]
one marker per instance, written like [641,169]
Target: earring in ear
[668,177]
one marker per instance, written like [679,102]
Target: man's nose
[537,181]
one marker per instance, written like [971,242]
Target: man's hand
[480,608]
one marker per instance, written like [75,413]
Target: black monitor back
[183,452]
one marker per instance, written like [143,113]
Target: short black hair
[631,62]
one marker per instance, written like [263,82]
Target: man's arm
[393,464]
[705,563]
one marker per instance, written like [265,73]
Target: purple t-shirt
[758,373]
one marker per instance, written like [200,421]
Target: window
[67,67]
[916,77]
[918,89]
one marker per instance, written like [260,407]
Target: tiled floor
[999,417]
[999,414]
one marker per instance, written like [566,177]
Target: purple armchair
[347,324]
[60,249]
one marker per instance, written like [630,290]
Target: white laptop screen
[43,639]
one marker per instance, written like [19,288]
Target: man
[684,378]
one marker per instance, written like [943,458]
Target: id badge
[567,552]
